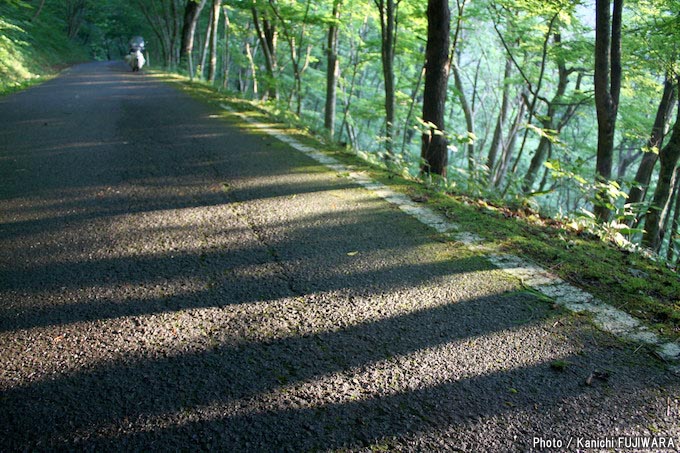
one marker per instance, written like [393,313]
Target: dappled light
[172,280]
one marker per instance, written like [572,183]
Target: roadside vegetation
[33,48]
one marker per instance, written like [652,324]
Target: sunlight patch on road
[608,318]
[376,385]
[166,331]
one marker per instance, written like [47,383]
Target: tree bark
[673,245]
[467,113]
[659,210]
[551,123]
[191,14]
[508,149]
[497,140]
[434,151]
[332,71]
[607,89]
[646,168]
[206,44]
[227,53]
[214,30]
[388,33]
[253,68]
[416,96]
[267,35]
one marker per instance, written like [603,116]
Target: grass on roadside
[646,289]
[32,51]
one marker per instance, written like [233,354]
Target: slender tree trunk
[332,71]
[191,14]
[348,103]
[295,52]
[267,35]
[549,124]
[497,140]
[157,17]
[607,90]
[434,151]
[388,33]
[227,53]
[673,240]
[627,157]
[646,168]
[659,210]
[176,6]
[206,45]
[214,30]
[508,150]
[38,11]
[409,130]
[467,112]
[75,12]
[253,69]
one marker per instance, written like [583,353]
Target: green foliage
[31,50]
[543,40]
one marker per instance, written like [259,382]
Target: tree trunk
[176,17]
[607,89]
[497,140]
[646,168]
[206,44]
[163,25]
[673,245]
[659,210]
[409,130]
[467,112]
[38,11]
[295,51]
[388,33]
[214,30]
[434,151]
[508,149]
[253,68]
[191,14]
[227,53]
[267,35]
[75,12]
[332,71]
[549,124]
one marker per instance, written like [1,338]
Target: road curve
[172,279]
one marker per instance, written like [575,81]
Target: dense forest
[567,109]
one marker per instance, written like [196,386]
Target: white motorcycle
[135,58]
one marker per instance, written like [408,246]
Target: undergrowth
[32,50]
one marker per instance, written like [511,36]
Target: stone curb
[606,317]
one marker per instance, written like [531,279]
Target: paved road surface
[172,280]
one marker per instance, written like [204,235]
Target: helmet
[137,43]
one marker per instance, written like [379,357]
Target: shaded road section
[171,279]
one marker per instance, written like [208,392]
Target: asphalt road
[174,280]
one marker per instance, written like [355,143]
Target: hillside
[31,50]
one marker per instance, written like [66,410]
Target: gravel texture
[171,280]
